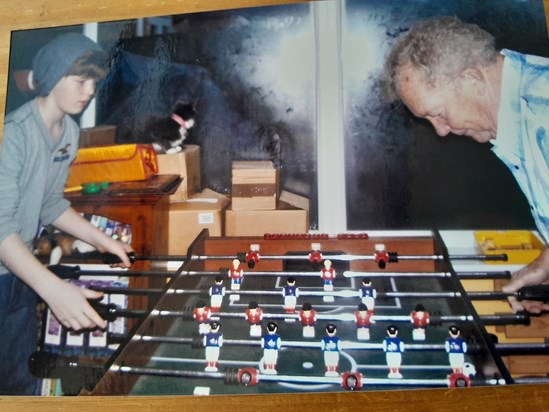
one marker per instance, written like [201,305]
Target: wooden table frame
[46,13]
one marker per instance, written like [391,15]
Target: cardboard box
[187,218]
[254,185]
[186,164]
[301,202]
[285,219]
[97,136]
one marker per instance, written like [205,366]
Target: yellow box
[520,246]
[186,164]
[187,218]
[285,219]
[118,163]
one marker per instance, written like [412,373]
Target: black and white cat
[167,134]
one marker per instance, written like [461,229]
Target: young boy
[39,142]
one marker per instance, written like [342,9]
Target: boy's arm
[68,302]
[73,223]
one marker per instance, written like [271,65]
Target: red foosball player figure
[420,319]
[254,315]
[252,257]
[381,256]
[307,316]
[290,292]
[212,341]
[271,343]
[217,292]
[368,293]
[363,318]
[456,348]
[236,274]
[328,275]
[330,344]
[393,348]
[315,256]
[202,314]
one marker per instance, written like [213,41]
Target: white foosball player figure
[330,344]
[393,348]
[212,341]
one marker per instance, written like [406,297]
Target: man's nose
[441,127]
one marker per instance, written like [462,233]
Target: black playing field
[166,354]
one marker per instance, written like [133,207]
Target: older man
[450,73]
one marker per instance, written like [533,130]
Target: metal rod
[356,274]
[484,275]
[344,257]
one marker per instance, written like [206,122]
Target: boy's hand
[117,248]
[69,303]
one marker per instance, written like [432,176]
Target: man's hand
[536,273]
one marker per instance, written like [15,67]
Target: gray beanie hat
[55,59]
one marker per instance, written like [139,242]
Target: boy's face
[73,93]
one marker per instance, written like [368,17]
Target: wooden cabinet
[144,205]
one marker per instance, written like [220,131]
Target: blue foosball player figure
[331,345]
[456,348]
[290,292]
[368,293]
[393,348]
[271,342]
[217,292]
[213,341]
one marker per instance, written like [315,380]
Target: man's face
[451,107]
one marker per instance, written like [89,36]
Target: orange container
[117,163]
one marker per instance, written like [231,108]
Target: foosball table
[303,313]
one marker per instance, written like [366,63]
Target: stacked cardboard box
[186,164]
[254,185]
[187,218]
[256,208]
[286,218]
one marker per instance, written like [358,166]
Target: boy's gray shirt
[33,172]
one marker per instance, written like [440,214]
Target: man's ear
[474,77]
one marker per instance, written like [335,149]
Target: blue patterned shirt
[522,142]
